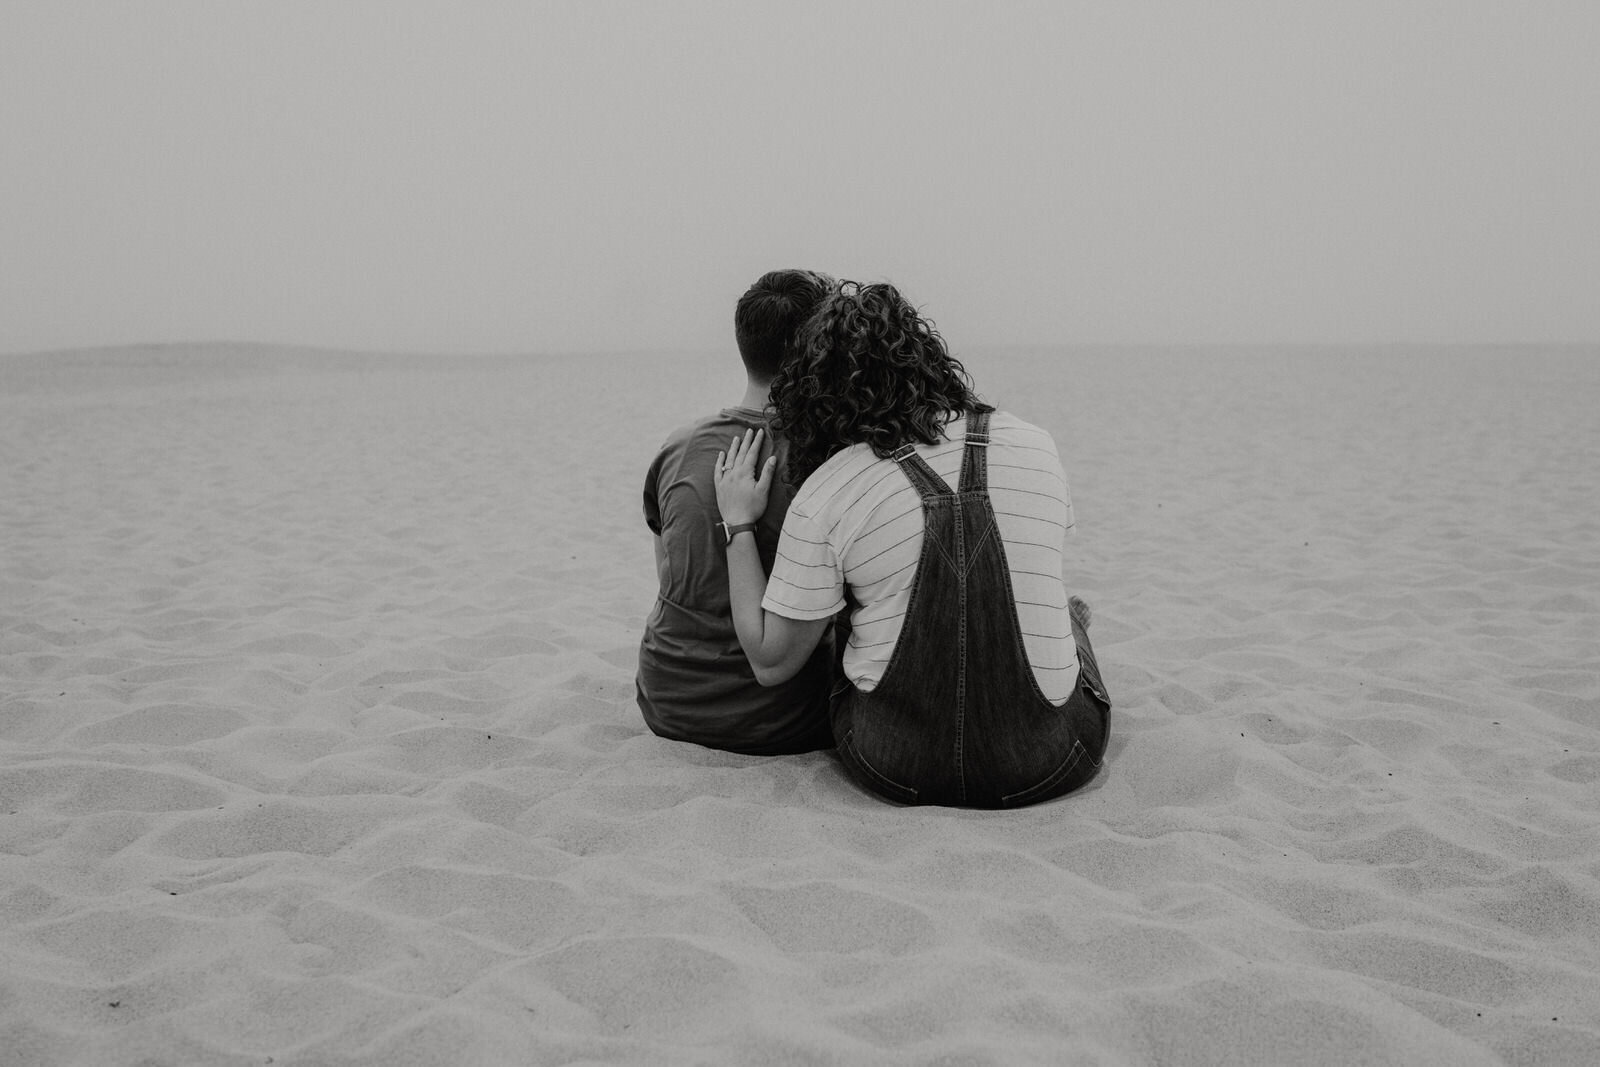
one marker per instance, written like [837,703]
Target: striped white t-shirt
[857,522]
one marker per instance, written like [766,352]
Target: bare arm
[777,647]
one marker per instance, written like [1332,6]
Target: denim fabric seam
[1016,623]
[854,754]
[974,476]
[911,603]
[1053,778]
[934,493]
[929,536]
[926,480]
[961,649]
[978,545]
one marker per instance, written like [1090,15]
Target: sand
[318,742]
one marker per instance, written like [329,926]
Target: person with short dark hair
[937,522]
[694,683]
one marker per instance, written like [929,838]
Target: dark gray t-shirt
[694,683]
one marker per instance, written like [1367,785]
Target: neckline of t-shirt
[749,412]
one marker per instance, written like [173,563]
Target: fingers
[742,456]
[741,480]
[744,451]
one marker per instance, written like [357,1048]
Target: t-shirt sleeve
[807,581]
[1069,521]
[652,495]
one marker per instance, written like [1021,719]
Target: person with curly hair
[694,683]
[967,678]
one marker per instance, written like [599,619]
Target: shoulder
[1006,422]
[1008,429]
[690,432]
[693,438]
[830,483]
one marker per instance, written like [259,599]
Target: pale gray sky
[540,176]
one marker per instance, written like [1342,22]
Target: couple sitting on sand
[863,555]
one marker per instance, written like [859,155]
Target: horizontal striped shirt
[857,523]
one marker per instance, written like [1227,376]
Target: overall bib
[958,718]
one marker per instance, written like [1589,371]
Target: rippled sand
[318,743]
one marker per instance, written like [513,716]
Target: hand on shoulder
[742,481]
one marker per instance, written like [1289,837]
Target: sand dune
[318,743]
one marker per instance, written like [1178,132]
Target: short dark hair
[769,315]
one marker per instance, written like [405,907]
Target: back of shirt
[856,526]
[694,682]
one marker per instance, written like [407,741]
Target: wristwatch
[730,532]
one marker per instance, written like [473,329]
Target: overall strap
[974,458]
[927,484]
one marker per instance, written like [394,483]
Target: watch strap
[730,532]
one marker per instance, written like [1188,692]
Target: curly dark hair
[867,367]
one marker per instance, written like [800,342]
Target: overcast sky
[558,176]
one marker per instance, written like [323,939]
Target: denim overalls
[958,718]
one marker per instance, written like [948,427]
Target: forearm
[747,585]
[777,647]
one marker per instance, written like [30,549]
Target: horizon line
[681,350]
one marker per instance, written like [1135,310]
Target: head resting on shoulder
[770,313]
[867,368]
